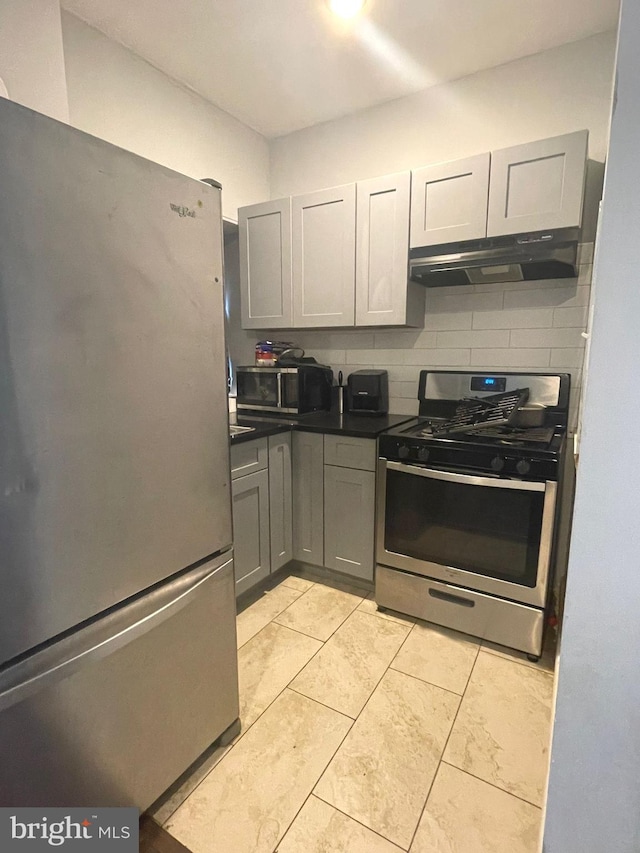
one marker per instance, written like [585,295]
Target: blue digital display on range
[497,384]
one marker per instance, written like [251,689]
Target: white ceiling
[281,65]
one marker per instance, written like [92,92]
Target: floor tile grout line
[287,685]
[309,635]
[534,666]
[475,661]
[284,583]
[319,777]
[244,731]
[492,784]
[324,704]
[444,748]
[359,822]
[435,775]
[422,681]
[376,684]
[270,620]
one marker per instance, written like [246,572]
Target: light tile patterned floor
[370,733]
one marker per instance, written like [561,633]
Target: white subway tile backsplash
[327,356]
[564,360]
[407,373]
[434,357]
[473,338]
[402,406]
[518,318]
[323,339]
[496,359]
[404,340]
[553,297]
[517,325]
[547,338]
[404,389]
[440,301]
[448,320]
[567,317]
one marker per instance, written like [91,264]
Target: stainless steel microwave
[289,390]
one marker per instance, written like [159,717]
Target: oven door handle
[466,479]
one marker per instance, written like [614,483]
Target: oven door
[484,533]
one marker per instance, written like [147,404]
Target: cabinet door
[280,500]
[537,186]
[349,516]
[250,501]
[265,264]
[384,295]
[248,456]
[324,249]
[308,497]
[449,201]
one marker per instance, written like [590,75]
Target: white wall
[119,97]
[564,89]
[594,792]
[31,57]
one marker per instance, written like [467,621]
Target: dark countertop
[322,422]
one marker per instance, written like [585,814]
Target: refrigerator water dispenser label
[89,829]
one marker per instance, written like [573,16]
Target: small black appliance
[368,392]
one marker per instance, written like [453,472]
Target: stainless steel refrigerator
[117,611]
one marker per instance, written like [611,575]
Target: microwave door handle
[279,389]
[466,479]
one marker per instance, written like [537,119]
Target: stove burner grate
[474,413]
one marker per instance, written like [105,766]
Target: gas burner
[448,434]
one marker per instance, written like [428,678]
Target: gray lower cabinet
[251,535]
[280,503]
[262,508]
[308,497]
[349,513]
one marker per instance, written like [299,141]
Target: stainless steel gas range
[467,504]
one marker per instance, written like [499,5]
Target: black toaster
[368,392]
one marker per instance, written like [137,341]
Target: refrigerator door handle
[105,635]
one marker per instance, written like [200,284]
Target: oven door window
[490,531]
[257,389]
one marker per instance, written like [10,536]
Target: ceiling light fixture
[346,8]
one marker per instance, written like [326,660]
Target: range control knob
[403,452]
[523,466]
[423,454]
[497,463]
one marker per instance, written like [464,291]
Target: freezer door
[114,468]
[113,714]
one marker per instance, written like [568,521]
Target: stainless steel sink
[238,430]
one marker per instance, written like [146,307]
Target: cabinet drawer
[248,457]
[350,452]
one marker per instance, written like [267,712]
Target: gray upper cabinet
[384,296]
[280,505]
[308,500]
[449,201]
[538,186]
[265,264]
[323,236]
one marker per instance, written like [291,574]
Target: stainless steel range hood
[523,257]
